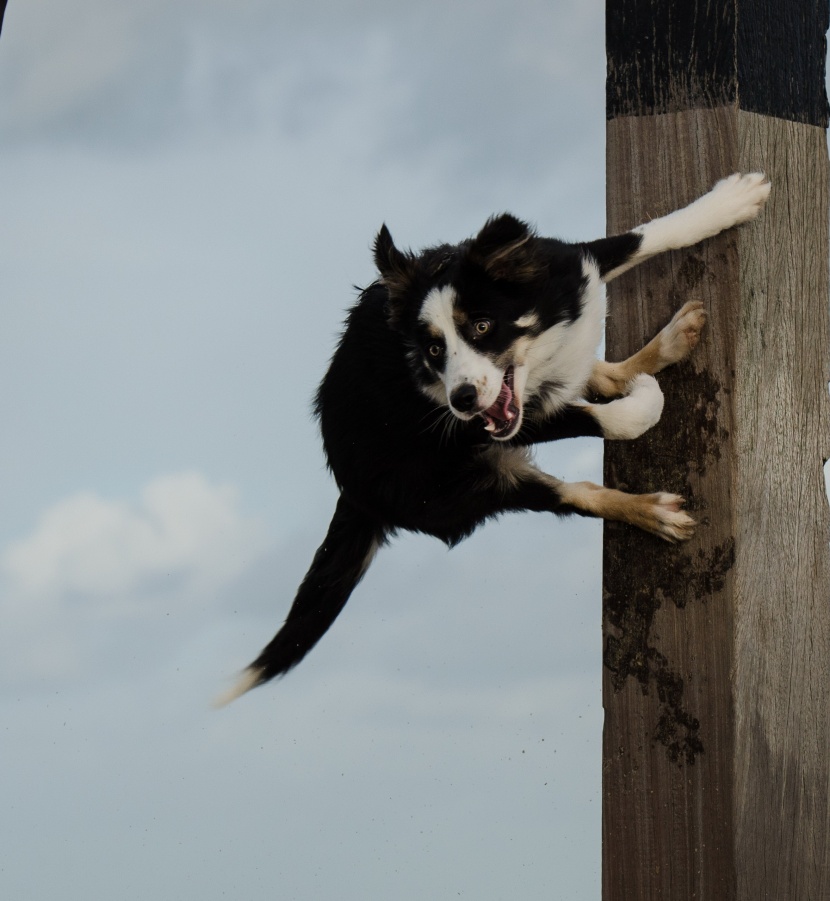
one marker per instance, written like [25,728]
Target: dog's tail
[339,564]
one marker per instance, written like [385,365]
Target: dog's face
[481,319]
[471,355]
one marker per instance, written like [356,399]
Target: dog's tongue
[500,416]
[502,410]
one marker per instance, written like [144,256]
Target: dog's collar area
[501,419]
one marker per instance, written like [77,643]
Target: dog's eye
[434,350]
[482,326]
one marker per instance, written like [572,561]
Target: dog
[459,359]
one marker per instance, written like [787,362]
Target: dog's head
[474,317]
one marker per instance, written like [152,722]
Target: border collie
[455,362]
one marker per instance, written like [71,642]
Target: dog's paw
[682,335]
[665,518]
[633,414]
[738,198]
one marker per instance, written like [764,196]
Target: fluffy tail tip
[249,679]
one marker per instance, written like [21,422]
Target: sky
[190,192]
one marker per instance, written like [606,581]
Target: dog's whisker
[447,424]
[439,424]
[434,415]
[437,415]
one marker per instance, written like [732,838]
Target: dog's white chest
[560,360]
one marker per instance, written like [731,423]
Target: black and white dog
[459,359]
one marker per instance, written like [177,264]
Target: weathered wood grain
[781,679]
[716,758]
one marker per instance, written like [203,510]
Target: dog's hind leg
[530,489]
[657,513]
[670,345]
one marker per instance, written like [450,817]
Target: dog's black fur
[409,451]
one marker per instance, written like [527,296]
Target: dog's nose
[464,398]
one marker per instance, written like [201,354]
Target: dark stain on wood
[631,652]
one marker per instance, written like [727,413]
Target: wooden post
[716,749]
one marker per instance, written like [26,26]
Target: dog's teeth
[490,427]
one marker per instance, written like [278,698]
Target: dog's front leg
[640,401]
[625,418]
[632,415]
[732,201]
[659,513]
[670,345]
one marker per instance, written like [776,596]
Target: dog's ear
[504,249]
[397,269]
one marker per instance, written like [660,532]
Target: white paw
[681,336]
[736,199]
[669,521]
[633,414]
[733,200]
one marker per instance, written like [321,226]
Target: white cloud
[94,565]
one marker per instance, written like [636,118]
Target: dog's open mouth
[501,418]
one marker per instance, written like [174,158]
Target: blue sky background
[189,193]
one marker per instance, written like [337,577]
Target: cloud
[95,568]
